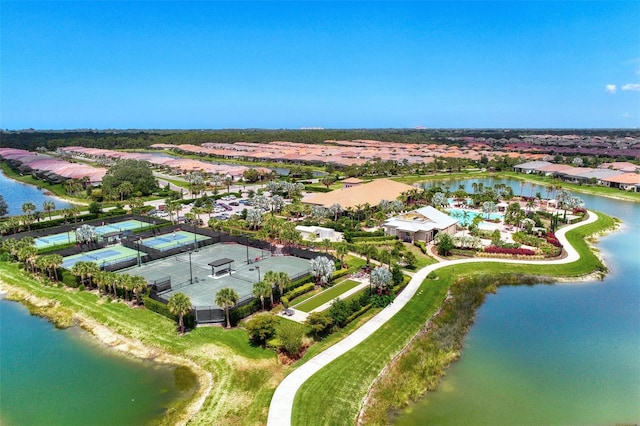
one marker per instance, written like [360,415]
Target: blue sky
[187,65]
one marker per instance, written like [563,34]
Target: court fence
[108,220]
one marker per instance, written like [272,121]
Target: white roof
[423,219]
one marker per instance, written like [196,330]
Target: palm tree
[180,305]
[101,280]
[282,281]
[380,278]
[79,270]
[488,207]
[261,289]
[226,297]
[139,285]
[228,180]
[28,208]
[48,206]
[342,249]
[52,263]
[254,218]
[322,268]
[125,283]
[271,278]
[26,254]
[335,210]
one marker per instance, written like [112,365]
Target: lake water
[15,194]
[551,354]
[63,377]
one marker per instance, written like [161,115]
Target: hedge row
[358,313]
[162,309]
[421,245]
[373,239]
[299,291]
[340,273]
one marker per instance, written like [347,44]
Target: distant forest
[125,139]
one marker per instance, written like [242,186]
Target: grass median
[326,296]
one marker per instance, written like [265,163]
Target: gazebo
[218,263]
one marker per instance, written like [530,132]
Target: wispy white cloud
[626,115]
[632,86]
[611,88]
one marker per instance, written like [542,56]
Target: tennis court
[126,225]
[103,257]
[190,271]
[70,236]
[55,239]
[175,239]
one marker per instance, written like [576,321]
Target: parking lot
[223,209]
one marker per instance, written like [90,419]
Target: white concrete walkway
[281,406]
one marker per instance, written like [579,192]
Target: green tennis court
[175,239]
[190,271]
[103,257]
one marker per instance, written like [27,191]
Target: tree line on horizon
[129,139]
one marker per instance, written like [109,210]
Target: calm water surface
[551,354]
[62,377]
[15,194]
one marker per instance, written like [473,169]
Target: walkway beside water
[281,407]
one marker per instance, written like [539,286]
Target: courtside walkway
[282,402]
[301,317]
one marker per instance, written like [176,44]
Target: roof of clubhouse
[371,193]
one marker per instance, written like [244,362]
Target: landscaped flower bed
[551,239]
[511,251]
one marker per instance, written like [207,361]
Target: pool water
[459,214]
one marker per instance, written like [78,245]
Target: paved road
[281,406]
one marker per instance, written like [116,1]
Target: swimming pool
[460,215]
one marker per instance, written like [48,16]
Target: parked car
[234,203]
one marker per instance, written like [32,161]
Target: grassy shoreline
[346,381]
[230,373]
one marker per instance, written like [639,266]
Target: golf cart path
[281,406]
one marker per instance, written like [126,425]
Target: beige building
[420,225]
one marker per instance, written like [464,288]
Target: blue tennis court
[70,236]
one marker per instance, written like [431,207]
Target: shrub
[339,274]
[299,291]
[69,279]
[290,335]
[297,283]
[339,312]
[421,245]
[373,239]
[262,327]
[358,313]
[512,251]
[236,314]
[319,322]
[162,309]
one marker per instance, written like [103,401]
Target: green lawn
[346,381]
[587,189]
[326,296]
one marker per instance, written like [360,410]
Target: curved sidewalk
[281,406]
